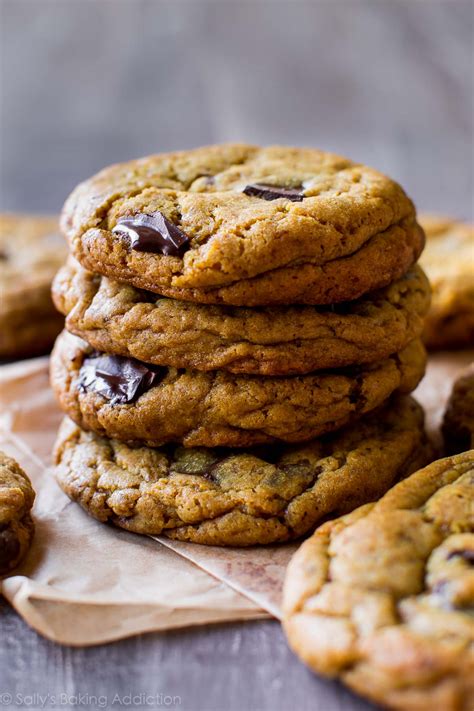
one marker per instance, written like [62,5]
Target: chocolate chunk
[196,461]
[213,469]
[153,233]
[120,380]
[468,556]
[272,192]
[9,547]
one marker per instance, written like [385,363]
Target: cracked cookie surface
[16,525]
[241,497]
[383,597]
[116,318]
[223,409]
[242,249]
[449,263]
[458,422]
[31,252]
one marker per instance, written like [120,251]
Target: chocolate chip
[120,380]
[468,556]
[153,233]
[272,192]
[3,256]
[9,547]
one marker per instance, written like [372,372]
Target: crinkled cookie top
[243,210]
[383,597]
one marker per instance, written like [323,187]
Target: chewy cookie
[128,400]
[242,225]
[31,251]
[119,319]
[16,525]
[458,423]
[382,598]
[240,497]
[449,263]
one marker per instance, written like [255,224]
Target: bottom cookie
[240,497]
[16,525]
[382,598]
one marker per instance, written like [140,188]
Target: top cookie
[383,597]
[242,225]
[449,263]
[31,251]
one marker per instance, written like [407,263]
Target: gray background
[88,82]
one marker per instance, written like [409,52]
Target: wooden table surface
[233,667]
[84,84]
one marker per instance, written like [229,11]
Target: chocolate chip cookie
[458,423]
[31,251]
[128,400]
[245,226]
[383,597]
[121,320]
[240,497]
[16,525]
[449,263]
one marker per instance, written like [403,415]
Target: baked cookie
[245,226]
[449,263]
[145,404]
[31,251]
[119,319]
[382,598]
[240,497]
[458,423]
[16,525]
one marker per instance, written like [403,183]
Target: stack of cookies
[243,327]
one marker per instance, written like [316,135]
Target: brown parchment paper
[86,583]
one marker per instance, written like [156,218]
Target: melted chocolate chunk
[120,380]
[272,192]
[466,555]
[153,233]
